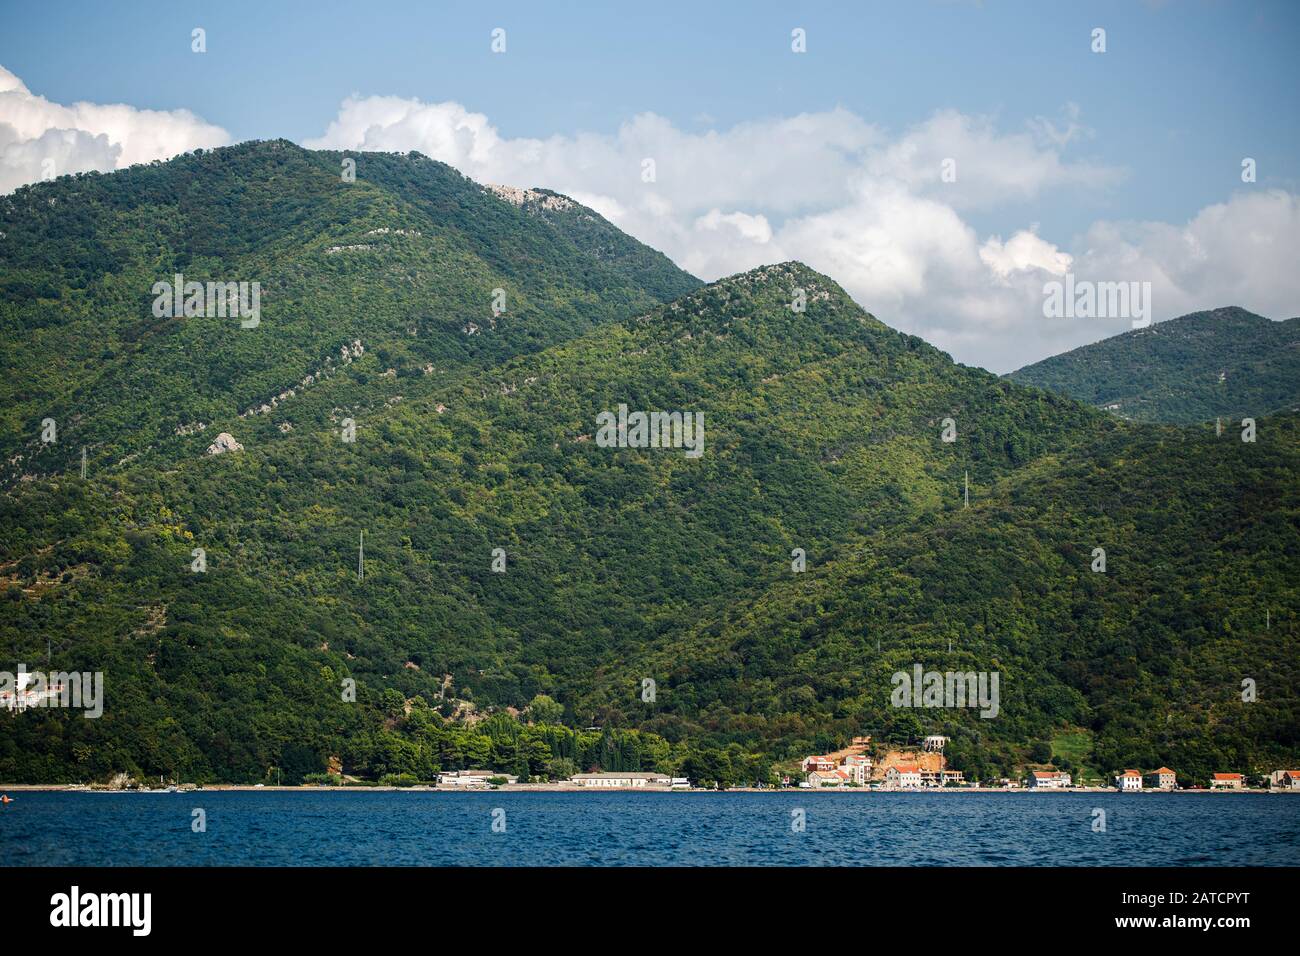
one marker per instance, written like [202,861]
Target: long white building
[622,780]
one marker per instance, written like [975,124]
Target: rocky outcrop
[225,442]
[513,194]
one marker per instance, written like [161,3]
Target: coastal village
[927,768]
[857,766]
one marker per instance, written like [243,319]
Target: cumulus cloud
[881,213]
[40,139]
[874,211]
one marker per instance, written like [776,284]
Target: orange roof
[1162,770]
[1049,773]
[1227,776]
[1130,773]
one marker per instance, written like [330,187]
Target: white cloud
[870,209]
[38,137]
[874,212]
[1021,253]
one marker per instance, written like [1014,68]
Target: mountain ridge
[1224,362]
[521,582]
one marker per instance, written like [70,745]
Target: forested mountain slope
[1225,363]
[1199,594]
[403,262]
[513,561]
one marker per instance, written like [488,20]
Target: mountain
[403,261]
[523,581]
[1225,363]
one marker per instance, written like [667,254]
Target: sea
[499,828]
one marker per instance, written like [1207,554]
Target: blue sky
[1164,117]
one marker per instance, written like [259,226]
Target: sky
[942,160]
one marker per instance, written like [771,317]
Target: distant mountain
[522,579]
[1226,363]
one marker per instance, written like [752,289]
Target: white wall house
[902,776]
[824,778]
[1227,781]
[622,780]
[1048,780]
[857,768]
[1128,780]
[472,778]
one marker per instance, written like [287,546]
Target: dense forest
[1223,364]
[521,582]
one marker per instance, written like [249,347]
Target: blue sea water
[349,828]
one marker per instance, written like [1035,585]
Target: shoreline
[569,788]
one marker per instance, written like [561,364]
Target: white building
[1128,780]
[24,696]
[472,778]
[1227,781]
[622,780]
[827,778]
[1048,780]
[857,768]
[902,776]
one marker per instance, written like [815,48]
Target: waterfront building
[1284,779]
[1162,779]
[1128,780]
[817,763]
[622,780]
[473,778]
[901,776]
[1048,780]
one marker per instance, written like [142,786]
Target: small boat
[5,798]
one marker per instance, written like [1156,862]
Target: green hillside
[1225,363]
[402,262]
[823,431]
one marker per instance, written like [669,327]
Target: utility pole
[966,485]
[361,558]
[83,461]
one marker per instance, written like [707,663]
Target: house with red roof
[1162,779]
[858,768]
[1128,780]
[1048,780]
[902,776]
[828,778]
[1227,781]
[817,763]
